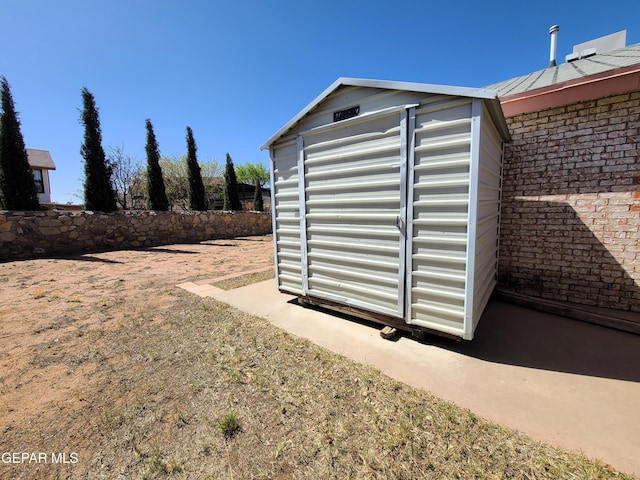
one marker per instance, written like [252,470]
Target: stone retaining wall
[43,233]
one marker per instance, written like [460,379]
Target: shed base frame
[387,320]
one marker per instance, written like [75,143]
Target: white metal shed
[386,201]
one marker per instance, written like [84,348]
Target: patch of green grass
[229,425]
[114,417]
[234,374]
[156,463]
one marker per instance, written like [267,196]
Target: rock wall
[44,233]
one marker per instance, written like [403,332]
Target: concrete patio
[561,381]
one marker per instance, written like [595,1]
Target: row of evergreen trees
[17,185]
[98,192]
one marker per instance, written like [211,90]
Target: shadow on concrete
[514,335]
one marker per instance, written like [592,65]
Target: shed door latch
[400,223]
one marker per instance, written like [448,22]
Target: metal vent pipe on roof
[553,31]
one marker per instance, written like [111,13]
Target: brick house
[570,220]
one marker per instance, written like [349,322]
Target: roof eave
[40,159]
[612,82]
[482,93]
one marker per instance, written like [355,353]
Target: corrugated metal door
[439,189]
[354,212]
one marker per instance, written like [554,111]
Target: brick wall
[25,234]
[571,204]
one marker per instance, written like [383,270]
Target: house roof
[40,159]
[483,93]
[570,71]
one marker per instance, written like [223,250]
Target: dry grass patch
[243,280]
[201,390]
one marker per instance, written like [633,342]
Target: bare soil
[51,308]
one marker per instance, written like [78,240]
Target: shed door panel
[439,225]
[354,199]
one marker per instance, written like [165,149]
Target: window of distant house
[37,176]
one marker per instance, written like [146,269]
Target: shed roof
[489,95]
[40,159]
[565,72]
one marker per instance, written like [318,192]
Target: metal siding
[370,100]
[488,221]
[286,212]
[440,196]
[352,203]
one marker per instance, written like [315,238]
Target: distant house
[215,193]
[41,162]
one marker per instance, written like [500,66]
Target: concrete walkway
[560,381]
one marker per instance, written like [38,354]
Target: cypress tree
[156,193]
[257,174]
[197,199]
[98,191]
[17,186]
[231,198]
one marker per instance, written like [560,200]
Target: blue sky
[236,71]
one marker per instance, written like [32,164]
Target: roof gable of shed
[486,94]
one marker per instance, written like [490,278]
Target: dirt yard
[49,306]
[108,370]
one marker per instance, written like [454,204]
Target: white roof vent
[600,45]
[588,52]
